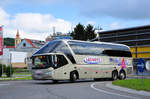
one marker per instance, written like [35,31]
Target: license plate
[38,72]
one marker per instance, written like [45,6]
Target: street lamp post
[10,65]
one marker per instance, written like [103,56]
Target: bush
[2,66]
[20,70]
[0,70]
[9,71]
[25,68]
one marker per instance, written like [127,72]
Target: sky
[35,19]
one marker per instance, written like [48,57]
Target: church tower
[17,39]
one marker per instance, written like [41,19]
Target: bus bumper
[42,75]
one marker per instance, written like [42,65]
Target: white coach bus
[72,60]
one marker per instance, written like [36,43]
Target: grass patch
[17,78]
[134,84]
[20,70]
[23,73]
[18,74]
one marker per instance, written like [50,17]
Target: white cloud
[91,22]
[36,22]
[115,25]
[32,25]
[4,17]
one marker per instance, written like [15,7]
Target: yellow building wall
[133,49]
[141,49]
[133,55]
[141,55]
[144,55]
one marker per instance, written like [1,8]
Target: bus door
[59,63]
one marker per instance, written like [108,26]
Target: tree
[82,33]
[9,71]
[1,70]
[90,32]
[9,41]
[79,32]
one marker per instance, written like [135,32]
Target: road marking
[111,93]
[4,84]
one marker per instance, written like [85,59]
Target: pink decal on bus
[123,64]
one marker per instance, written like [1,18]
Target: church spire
[17,35]
[17,39]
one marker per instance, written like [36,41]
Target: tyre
[114,75]
[122,75]
[73,77]
[55,81]
[98,79]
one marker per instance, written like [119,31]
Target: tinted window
[64,49]
[117,53]
[42,62]
[86,48]
[54,47]
[49,47]
[61,61]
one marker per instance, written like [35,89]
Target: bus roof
[95,42]
[52,45]
[48,54]
[99,42]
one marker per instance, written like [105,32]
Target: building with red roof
[29,43]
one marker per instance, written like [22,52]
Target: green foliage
[25,68]
[20,70]
[0,70]
[82,33]
[90,32]
[134,84]
[9,42]
[15,78]
[9,71]
[2,66]
[79,32]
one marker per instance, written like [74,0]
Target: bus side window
[52,60]
[61,61]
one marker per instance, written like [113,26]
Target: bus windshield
[42,62]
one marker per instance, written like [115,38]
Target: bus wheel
[55,81]
[98,79]
[73,77]
[122,75]
[114,75]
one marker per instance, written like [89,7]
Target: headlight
[49,73]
